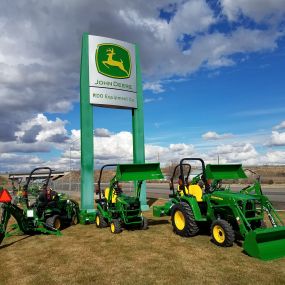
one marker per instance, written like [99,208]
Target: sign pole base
[87,216]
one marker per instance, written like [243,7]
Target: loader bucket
[136,172]
[265,244]
[224,171]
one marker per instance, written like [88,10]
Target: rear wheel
[222,233]
[183,220]
[54,222]
[115,226]
[100,221]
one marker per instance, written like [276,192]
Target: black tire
[54,222]
[2,236]
[75,213]
[100,221]
[3,227]
[183,220]
[144,225]
[74,219]
[222,233]
[115,226]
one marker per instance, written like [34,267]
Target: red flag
[5,196]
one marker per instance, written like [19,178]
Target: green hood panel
[226,194]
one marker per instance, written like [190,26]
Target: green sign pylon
[87,145]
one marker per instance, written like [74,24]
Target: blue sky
[213,75]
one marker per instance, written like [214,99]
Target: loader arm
[6,214]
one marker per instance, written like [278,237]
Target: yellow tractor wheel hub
[97,221]
[57,224]
[179,220]
[219,234]
[112,227]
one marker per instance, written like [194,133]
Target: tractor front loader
[114,207]
[230,216]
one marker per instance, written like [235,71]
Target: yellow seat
[196,191]
[114,195]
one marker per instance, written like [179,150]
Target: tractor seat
[114,195]
[196,191]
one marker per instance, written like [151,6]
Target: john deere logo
[113,61]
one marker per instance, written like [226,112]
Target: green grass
[87,255]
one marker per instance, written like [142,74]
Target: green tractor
[205,202]
[47,214]
[114,207]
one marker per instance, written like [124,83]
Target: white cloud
[14,162]
[237,153]
[192,17]
[155,87]
[259,10]
[215,136]
[40,129]
[153,99]
[280,126]
[277,139]
[275,157]
[118,148]
[102,132]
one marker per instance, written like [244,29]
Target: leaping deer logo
[111,62]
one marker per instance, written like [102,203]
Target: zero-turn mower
[49,213]
[205,202]
[114,207]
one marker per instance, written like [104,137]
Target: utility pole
[70,146]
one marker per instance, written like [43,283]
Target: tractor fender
[192,202]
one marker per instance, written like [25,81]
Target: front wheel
[115,226]
[222,233]
[183,220]
[100,221]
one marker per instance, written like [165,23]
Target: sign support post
[87,156]
[138,130]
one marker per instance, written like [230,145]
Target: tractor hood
[226,195]
[224,171]
[137,172]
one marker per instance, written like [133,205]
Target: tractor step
[164,210]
